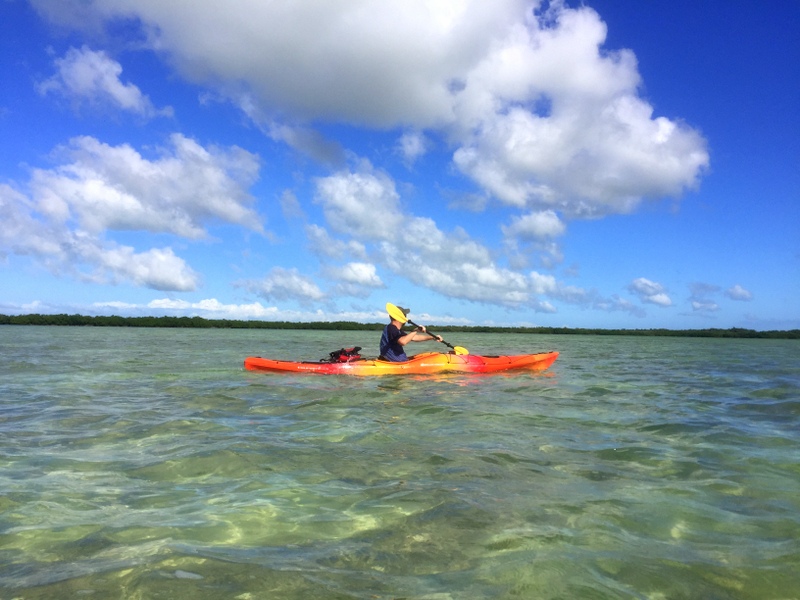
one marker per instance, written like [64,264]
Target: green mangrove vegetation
[200,322]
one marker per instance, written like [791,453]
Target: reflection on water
[148,464]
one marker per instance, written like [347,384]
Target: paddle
[398,314]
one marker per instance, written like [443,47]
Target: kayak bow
[421,364]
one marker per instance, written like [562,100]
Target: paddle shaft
[410,322]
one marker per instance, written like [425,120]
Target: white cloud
[556,120]
[362,204]
[702,294]
[114,187]
[588,166]
[701,297]
[705,306]
[535,226]
[157,268]
[412,145]
[650,292]
[379,63]
[21,232]
[285,284]
[365,205]
[536,110]
[90,76]
[355,279]
[324,245]
[540,113]
[737,292]
[357,273]
[87,257]
[211,308]
[533,235]
[63,223]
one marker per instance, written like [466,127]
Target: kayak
[420,364]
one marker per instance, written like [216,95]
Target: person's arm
[418,335]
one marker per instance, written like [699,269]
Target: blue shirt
[390,348]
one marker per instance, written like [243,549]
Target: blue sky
[595,164]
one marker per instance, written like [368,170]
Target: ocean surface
[146,463]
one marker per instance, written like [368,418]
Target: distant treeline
[183,322]
[201,323]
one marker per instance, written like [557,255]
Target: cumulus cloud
[87,76]
[533,106]
[324,245]
[535,226]
[210,307]
[157,268]
[357,273]
[702,296]
[365,205]
[737,292]
[705,306]
[285,284]
[214,309]
[115,187]
[412,145]
[650,292]
[87,257]
[355,279]
[538,111]
[64,220]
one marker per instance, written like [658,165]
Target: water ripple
[636,467]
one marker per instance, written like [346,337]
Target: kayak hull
[421,364]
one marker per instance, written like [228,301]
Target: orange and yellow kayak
[421,364]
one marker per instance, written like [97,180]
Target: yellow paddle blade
[460,350]
[396,313]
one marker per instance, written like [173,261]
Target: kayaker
[393,338]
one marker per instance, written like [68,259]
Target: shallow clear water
[145,463]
